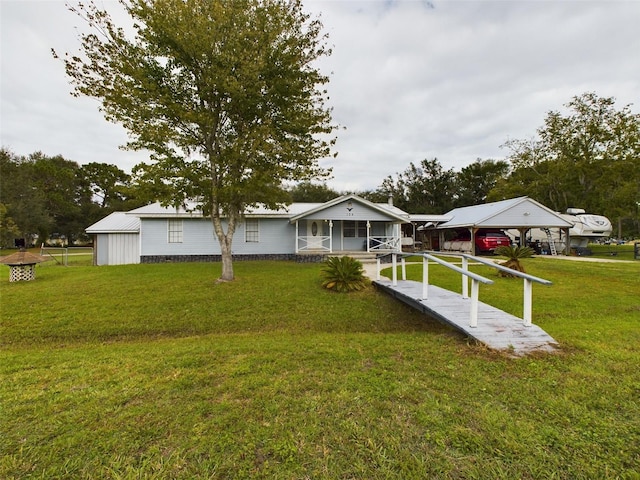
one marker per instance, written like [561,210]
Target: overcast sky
[409,79]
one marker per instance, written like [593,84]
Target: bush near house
[343,274]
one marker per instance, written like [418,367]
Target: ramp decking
[496,329]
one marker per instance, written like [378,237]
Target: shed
[522,214]
[116,239]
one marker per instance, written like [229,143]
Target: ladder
[552,244]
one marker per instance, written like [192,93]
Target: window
[355,229]
[175,231]
[252,230]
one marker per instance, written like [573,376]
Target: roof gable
[522,212]
[353,207]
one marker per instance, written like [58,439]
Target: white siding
[117,248]
[101,247]
[524,214]
[277,236]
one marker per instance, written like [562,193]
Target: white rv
[586,228]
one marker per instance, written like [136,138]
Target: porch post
[297,250]
[330,236]
[368,234]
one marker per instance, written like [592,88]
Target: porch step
[362,257]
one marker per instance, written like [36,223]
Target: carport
[520,214]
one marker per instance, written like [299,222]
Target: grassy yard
[618,252]
[152,371]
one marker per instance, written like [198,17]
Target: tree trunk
[226,240]
[227,262]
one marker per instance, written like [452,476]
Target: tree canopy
[225,95]
[587,158]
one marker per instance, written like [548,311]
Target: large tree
[425,188]
[226,95]
[474,182]
[587,157]
[44,195]
[312,192]
[108,184]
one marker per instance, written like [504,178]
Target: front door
[314,234]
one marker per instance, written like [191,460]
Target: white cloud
[409,81]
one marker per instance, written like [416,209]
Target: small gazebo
[22,265]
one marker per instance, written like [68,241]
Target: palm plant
[513,254]
[343,274]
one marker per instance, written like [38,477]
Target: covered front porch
[349,223]
[328,236]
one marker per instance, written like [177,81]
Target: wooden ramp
[496,329]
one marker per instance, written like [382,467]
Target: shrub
[513,254]
[343,274]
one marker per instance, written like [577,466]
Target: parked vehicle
[486,241]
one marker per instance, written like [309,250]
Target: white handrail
[475,279]
[527,301]
[527,293]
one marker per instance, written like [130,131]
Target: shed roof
[522,212]
[116,222]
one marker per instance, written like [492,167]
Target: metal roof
[427,218]
[116,222]
[293,211]
[522,212]
[156,210]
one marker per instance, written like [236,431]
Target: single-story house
[310,231]
[520,214]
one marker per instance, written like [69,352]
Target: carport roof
[522,212]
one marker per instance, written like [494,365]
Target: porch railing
[315,244]
[383,244]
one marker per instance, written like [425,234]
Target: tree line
[49,198]
[586,158]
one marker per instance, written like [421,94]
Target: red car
[486,240]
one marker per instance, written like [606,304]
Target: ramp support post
[475,287]
[425,277]
[527,302]
[394,264]
[465,280]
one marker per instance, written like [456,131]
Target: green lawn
[617,252]
[153,371]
